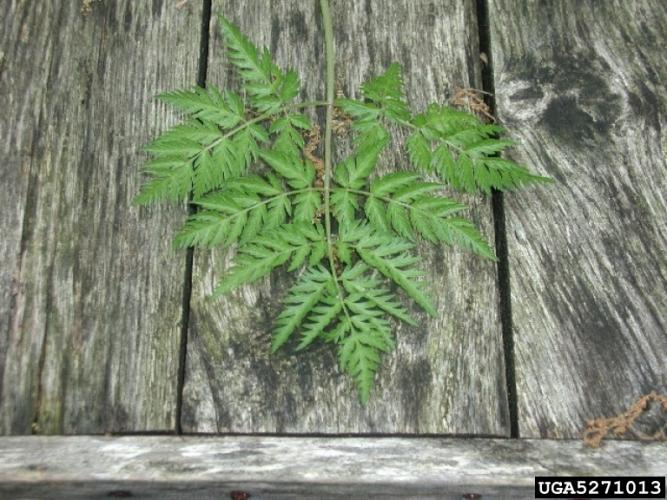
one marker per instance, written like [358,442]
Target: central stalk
[330,82]
[328,127]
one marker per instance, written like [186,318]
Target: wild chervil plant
[243,161]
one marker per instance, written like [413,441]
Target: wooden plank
[584,90]
[91,287]
[446,375]
[271,467]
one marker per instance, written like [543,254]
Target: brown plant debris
[87,6]
[341,120]
[622,425]
[313,138]
[473,101]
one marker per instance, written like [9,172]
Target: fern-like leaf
[399,202]
[268,87]
[170,178]
[386,91]
[461,149]
[241,159]
[298,242]
[390,256]
[300,301]
[236,214]
[209,105]
[320,317]
[254,67]
[299,175]
[359,354]
[357,280]
[383,98]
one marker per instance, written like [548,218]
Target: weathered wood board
[90,286]
[446,376]
[289,468]
[584,90]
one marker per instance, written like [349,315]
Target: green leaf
[307,206]
[420,151]
[170,178]
[429,217]
[208,174]
[209,105]
[343,251]
[254,223]
[301,300]
[386,91]
[244,56]
[299,175]
[174,145]
[359,356]
[356,280]
[465,152]
[359,110]
[268,251]
[370,136]
[400,220]
[320,317]
[390,256]
[205,228]
[390,183]
[239,152]
[289,86]
[344,205]
[361,165]
[254,184]
[241,157]
[505,174]
[376,211]
[487,147]
[192,133]
[459,231]
[289,141]
[410,212]
[445,164]
[300,121]
[266,85]
[238,213]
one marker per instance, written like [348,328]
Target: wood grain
[445,376]
[585,93]
[90,286]
[291,468]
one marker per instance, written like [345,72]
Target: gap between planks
[202,70]
[500,229]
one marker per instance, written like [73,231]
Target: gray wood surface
[584,90]
[90,288]
[287,468]
[445,376]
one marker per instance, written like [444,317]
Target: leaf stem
[330,80]
[388,199]
[262,202]
[412,126]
